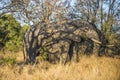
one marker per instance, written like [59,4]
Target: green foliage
[8,60]
[11,33]
[44,54]
[110,36]
[116,48]
[23,30]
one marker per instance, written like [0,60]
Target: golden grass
[88,68]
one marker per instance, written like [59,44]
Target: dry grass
[88,68]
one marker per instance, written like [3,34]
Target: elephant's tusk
[96,41]
[109,45]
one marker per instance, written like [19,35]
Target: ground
[88,68]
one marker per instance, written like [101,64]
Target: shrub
[8,60]
[44,54]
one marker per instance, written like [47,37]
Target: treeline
[11,33]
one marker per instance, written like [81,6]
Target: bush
[8,60]
[11,33]
[43,54]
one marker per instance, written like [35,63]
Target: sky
[3,3]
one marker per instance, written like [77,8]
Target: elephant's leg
[59,50]
[96,49]
[32,54]
[31,57]
[65,56]
[53,58]
[89,47]
[70,52]
[25,51]
[77,47]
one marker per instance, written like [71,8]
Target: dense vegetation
[11,33]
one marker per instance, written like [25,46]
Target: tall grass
[88,68]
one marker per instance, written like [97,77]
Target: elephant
[40,37]
[89,33]
[59,39]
